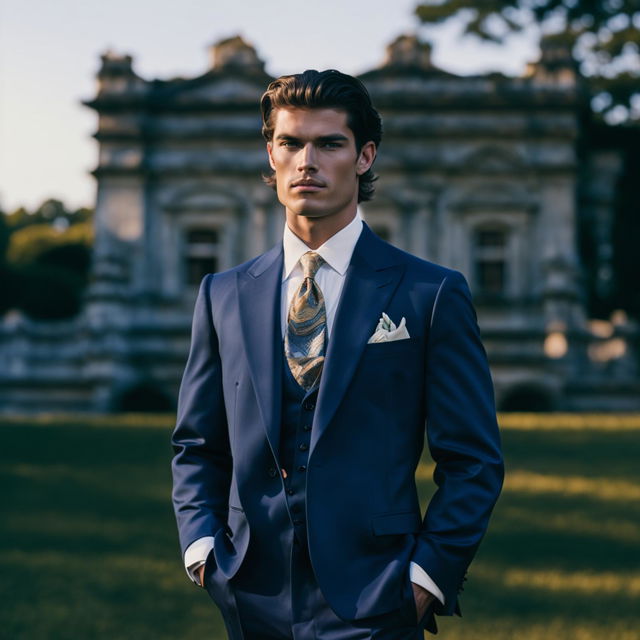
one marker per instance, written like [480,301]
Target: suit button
[302,468]
[303,447]
[309,405]
[272,472]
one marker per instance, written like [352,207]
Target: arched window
[202,246]
[490,261]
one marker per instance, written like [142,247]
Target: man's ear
[366,157]
[271,163]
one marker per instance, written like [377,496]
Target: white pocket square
[386,331]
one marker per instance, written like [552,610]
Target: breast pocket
[393,349]
[389,371]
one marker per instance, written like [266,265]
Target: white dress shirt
[336,252]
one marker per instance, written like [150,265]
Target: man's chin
[310,212]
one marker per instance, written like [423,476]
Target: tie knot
[311,262]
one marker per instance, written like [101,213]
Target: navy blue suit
[363,519]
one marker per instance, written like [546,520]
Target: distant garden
[45,259]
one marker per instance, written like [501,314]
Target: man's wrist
[195,573]
[196,555]
[419,576]
[424,600]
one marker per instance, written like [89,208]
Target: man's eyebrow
[332,137]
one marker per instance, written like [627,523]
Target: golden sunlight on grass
[513,421]
[125,420]
[568,522]
[585,582]
[558,421]
[601,488]
[551,629]
[529,482]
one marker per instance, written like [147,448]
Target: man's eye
[288,143]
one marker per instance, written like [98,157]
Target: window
[490,261]
[201,254]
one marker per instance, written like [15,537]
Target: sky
[50,52]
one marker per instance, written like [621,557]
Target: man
[312,373]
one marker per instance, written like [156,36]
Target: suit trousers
[299,611]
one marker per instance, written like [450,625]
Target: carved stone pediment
[200,197]
[216,89]
[493,159]
[494,195]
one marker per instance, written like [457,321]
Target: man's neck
[314,232]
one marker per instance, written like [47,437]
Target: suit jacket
[363,515]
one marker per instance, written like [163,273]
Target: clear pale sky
[49,55]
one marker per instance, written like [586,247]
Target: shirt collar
[336,251]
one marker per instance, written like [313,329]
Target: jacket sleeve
[463,439]
[202,463]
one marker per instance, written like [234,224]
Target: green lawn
[88,547]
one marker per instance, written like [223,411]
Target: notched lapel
[259,300]
[371,280]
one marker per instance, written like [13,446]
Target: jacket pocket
[390,523]
[392,349]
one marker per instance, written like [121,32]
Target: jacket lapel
[259,300]
[372,277]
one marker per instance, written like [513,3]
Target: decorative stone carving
[235,53]
[408,51]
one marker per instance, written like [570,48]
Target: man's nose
[307,158]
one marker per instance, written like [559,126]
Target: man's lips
[307,185]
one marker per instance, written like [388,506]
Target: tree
[8,285]
[4,237]
[27,243]
[45,258]
[50,212]
[603,36]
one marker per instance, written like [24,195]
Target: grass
[88,547]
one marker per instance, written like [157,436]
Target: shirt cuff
[418,575]
[196,555]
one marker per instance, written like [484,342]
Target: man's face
[313,154]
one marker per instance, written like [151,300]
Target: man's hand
[423,599]
[201,575]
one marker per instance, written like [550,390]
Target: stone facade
[480,173]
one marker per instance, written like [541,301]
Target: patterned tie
[305,338]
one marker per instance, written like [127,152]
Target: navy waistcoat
[298,408]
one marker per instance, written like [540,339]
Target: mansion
[487,174]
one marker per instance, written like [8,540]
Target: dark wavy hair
[328,89]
